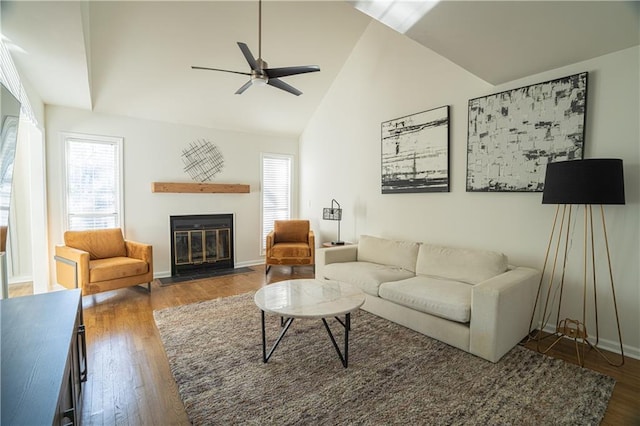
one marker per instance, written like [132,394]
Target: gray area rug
[395,375]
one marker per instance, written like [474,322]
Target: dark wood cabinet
[44,360]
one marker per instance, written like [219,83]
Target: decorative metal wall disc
[202,160]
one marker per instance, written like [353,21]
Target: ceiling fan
[260,73]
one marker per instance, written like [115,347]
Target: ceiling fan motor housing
[260,78]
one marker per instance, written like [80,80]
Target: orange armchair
[291,242]
[102,260]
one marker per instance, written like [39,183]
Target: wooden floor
[129,380]
[22,289]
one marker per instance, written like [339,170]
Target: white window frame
[111,140]
[265,228]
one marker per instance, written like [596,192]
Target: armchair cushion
[116,267]
[291,231]
[99,243]
[291,250]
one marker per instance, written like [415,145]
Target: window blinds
[93,184]
[276,191]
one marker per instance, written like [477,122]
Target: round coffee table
[309,298]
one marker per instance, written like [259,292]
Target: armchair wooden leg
[266,269]
[149,286]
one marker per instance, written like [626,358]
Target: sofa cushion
[366,276]
[282,250]
[99,243]
[458,264]
[116,267]
[402,254]
[443,298]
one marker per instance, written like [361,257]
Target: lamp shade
[591,181]
[333,212]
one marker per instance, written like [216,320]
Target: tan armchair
[290,243]
[102,260]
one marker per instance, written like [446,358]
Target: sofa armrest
[501,309]
[334,255]
[72,267]
[140,251]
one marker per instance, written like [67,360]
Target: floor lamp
[568,183]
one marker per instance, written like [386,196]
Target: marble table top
[309,298]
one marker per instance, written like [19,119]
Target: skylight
[400,15]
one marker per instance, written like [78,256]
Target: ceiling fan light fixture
[259,80]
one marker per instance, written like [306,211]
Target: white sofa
[470,299]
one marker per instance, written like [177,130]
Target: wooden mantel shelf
[204,188]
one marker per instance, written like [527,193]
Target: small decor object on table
[513,135]
[334,213]
[415,153]
[202,160]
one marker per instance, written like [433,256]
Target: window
[276,191]
[93,171]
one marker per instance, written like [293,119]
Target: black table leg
[265,355]
[344,356]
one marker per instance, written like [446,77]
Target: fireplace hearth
[201,244]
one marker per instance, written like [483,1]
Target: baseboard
[250,263]
[608,345]
[20,280]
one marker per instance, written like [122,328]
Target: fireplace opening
[201,244]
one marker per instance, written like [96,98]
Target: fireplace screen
[202,246]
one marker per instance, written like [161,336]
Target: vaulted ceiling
[134,58]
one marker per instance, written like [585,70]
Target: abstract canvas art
[415,153]
[512,135]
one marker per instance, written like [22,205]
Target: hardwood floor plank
[130,381]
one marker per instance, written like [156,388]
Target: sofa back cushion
[291,231]
[467,265]
[402,254]
[100,243]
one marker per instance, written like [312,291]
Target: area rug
[395,375]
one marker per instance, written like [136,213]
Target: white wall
[389,76]
[27,252]
[19,237]
[152,153]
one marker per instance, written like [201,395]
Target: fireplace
[201,243]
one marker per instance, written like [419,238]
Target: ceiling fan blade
[283,72]
[243,88]
[217,69]
[283,86]
[249,57]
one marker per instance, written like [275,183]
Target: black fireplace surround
[201,244]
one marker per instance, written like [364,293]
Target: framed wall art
[512,135]
[415,152]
